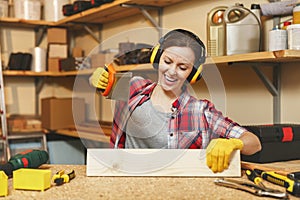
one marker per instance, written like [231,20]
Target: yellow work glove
[219,151]
[99,78]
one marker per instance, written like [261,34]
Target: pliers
[251,188]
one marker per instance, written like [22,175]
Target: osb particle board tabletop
[83,187]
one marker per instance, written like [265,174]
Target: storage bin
[32,179]
[4,184]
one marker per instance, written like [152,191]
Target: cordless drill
[26,159]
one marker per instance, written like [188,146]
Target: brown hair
[184,38]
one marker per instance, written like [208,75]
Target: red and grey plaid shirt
[192,125]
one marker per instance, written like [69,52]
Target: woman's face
[175,65]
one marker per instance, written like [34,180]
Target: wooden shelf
[15,22]
[89,131]
[267,56]
[105,13]
[113,11]
[46,73]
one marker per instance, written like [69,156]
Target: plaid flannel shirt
[192,125]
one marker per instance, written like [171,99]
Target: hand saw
[118,84]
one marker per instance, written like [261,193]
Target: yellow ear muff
[196,75]
[154,53]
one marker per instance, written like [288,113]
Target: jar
[296,14]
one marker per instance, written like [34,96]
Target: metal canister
[216,45]
[243,30]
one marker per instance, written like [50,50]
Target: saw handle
[111,79]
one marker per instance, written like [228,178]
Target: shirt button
[171,134]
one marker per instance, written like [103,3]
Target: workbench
[83,187]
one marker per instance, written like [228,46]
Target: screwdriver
[254,177]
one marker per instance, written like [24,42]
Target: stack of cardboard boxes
[57,47]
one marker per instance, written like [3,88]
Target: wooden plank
[23,22]
[155,162]
[100,137]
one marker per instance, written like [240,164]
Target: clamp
[60,177]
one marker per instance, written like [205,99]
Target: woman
[163,114]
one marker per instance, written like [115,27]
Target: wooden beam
[155,162]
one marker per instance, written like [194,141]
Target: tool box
[96,3]
[280,142]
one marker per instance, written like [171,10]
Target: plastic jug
[216,44]
[243,30]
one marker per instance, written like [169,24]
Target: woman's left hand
[219,151]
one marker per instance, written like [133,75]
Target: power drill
[26,159]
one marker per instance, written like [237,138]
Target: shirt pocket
[186,138]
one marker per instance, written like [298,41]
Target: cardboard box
[77,52]
[53,65]
[100,59]
[59,113]
[57,51]
[57,35]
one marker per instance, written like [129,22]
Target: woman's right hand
[99,78]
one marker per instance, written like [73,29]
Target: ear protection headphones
[157,51]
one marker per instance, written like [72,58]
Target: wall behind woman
[246,98]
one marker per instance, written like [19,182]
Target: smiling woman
[164,114]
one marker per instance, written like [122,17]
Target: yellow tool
[291,184]
[60,177]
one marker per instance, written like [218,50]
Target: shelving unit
[103,14]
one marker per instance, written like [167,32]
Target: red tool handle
[111,79]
